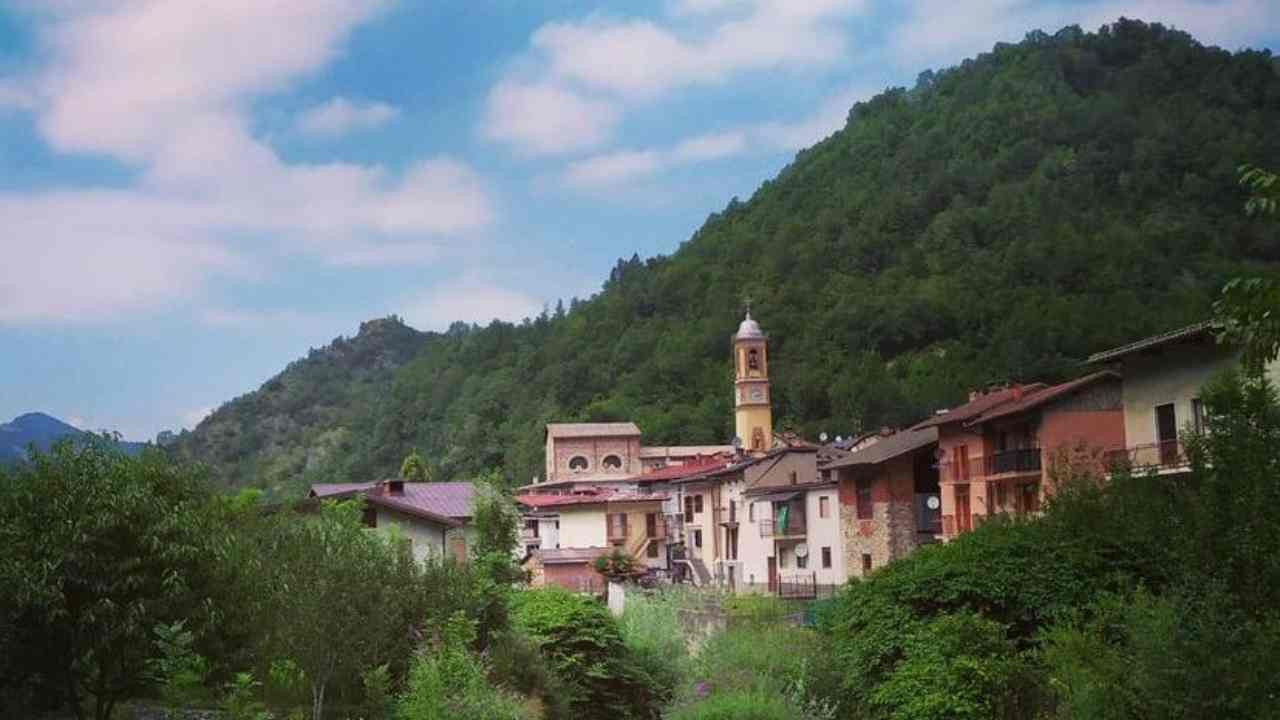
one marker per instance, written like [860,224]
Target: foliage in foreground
[449,681]
[1140,597]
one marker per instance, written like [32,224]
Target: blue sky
[193,194]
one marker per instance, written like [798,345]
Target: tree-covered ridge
[999,221]
[271,436]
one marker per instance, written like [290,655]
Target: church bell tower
[753,414]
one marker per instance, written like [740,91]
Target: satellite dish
[933,502]
[802,550]
[822,437]
[737,443]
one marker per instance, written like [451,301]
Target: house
[994,450]
[435,517]
[595,522]
[765,523]
[890,499]
[1163,377]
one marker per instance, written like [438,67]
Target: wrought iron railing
[792,525]
[1023,460]
[1157,456]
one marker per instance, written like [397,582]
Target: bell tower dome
[753,413]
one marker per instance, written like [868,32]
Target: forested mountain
[39,430]
[289,426]
[999,221]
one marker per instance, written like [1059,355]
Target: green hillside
[999,221]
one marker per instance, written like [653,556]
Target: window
[612,462]
[731,543]
[782,558]
[1030,496]
[532,527]
[733,511]
[578,463]
[826,558]
[862,487]
[617,525]
[1197,416]
[866,563]
[794,477]
[753,359]
[697,503]
[652,550]
[1167,434]
[960,464]
[697,538]
[751,512]
[757,439]
[651,525]
[824,507]
[688,508]
[802,561]
[964,521]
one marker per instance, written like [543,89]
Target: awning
[777,497]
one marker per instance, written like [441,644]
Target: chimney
[1017,392]
[885,431]
[395,487]
[974,395]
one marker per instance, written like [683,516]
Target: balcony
[529,537]
[1166,456]
[1024,461]
[781,527]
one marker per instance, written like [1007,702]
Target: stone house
[890,500]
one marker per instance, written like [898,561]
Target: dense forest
[998,221]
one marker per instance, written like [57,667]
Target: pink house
[996,453]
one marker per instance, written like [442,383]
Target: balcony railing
[1152,456]
[793,525]
[1024,460]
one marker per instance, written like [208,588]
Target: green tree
[414,468]
[340,598]
[102,553]
[1249,307]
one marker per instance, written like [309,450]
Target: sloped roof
[979,405]
[683,450]
[1183,333]
[1044,397]
[449,502]
[887,448]
[575,430]
[328,490]
[679,472]
[599,496]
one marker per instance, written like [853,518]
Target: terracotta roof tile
[979,405]
[1043,397]
[571,430]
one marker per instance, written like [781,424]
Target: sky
[193,194]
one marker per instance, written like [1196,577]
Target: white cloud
[578,77]
[615,168]
[543,118]
[340,116]
[641,57]
[469,300]
[152,84]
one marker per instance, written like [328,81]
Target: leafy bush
[739,705]
[651,631]
[583,645]
[514,660]
[449,682]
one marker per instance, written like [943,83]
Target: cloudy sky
[194,193]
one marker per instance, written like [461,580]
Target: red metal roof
[697,466]
[588,497]
[1043,397]
[979,405]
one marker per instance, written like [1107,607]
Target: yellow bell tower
[753,414]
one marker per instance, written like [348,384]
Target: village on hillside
[774,513]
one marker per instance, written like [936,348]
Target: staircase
[700,572]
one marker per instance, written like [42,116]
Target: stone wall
[890,533]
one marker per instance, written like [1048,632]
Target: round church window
[612,462]
[578,463]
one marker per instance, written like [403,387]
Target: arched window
[757,439]
[753,360]
[612,462]
[578,463]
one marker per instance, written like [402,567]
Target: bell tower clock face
[757,394]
